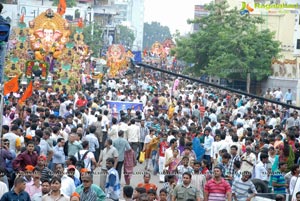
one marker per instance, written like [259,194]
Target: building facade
[283,18]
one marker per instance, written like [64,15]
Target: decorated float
[160,54]
[118,60]
[47,53]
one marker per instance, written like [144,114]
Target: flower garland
[34,65]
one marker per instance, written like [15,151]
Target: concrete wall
[283,83]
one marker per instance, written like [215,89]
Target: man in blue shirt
[112,185]
[208,140]
[288,97]
[18,192]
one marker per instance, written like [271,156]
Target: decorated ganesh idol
[157,49]
[49,33]
[116,59]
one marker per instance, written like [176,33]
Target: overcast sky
[171,13]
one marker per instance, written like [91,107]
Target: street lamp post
[34,12]
[90,13]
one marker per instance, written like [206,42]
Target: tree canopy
[229,45]
[93,40]
[125,36]
[154,32]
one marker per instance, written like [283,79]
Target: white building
[131,14]
[136,20]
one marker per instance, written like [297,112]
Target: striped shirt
[240,189]
[217,190]
[46,174]
[278,178]
[88,195]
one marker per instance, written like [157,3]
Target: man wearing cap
[75,197]
[71,160]
[34,186]
[89,191]
[71,173]
[42,165]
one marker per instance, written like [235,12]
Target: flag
[27,93]
[80,23]
[61,7]
[21,19]
[11,86]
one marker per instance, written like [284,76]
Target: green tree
[70,3]
[229,45]
[125,36]
[92,37]
[154,32]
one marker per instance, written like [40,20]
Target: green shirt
[100,194]
[278,177]
[73,148]
[183,193]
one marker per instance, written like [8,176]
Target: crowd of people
[201,143]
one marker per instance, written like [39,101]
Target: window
[298,44]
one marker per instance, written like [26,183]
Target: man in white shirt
[91,117]
[3,188]
[67,183]
[14,139]
[171,136]
[89,158]
[208,140]
[108,152]
[133,136]
[278,95]
[261,170]
[273,121]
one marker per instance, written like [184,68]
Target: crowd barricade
[270,197]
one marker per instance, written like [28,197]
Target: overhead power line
[217,86]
